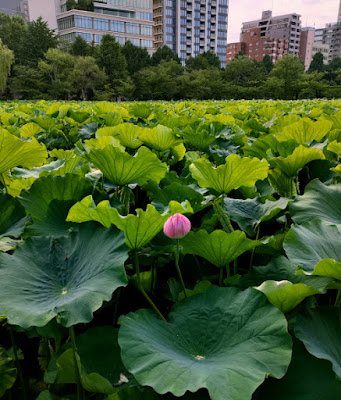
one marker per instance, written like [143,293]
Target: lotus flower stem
[80,394]
[145,295]
[21,377]
[177,255]
[338,299]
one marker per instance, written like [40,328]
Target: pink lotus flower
[177,226]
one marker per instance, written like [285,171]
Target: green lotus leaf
[46,395]
[198,138]
[308,378]
[286,295]
[159,138]
[335,147]
[15,152]
[121,168]
[251,212]
[138,229]
[104,141]
[301,156]
[49,200]
[223,340]
[320,331]
[134,393]
[280,268]
[329,268]
[127,134]
[141,110]
[30,129]
[91,382]
[218,247]
[309,243]
[319,201]
[12,216]
[68,277]
[17,186]
[337,170]
[176,192]
[99,352]
[284,185]
[305,131]
[8,372]
[235,173]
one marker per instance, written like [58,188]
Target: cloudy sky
[313,12]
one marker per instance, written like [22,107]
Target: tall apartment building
[306,46]
[124,19]
[286,27]
[14,7]
[191,27]
[339,15]
[330,36]
[254,46]
[273,36]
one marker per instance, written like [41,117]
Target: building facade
[285,27]
[15,7]
[254,46]
[191,27]
[124,19]
[323,49]
[306,46]
[331,37]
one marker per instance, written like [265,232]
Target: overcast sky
[315,13]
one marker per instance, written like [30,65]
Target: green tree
[27,83]
[313,86]
[12,32]
[203,61]
[316,64]
[289,72]
[6,61]
[243,71]
[86,5]
[87,77]
[268,64]
[57,68]
[158,83]
[80,47]
[137,58]
[36,42]
[164,53]
[111,59]
[201,84]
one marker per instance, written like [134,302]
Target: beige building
[15,7]
[286,27]
[306,46]
[124,19]
[322,48]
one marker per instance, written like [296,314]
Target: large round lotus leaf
[308,378]
[224,340]
[320,331]
[68,276]
[313,241]
[319,201]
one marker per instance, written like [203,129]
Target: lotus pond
[96,302]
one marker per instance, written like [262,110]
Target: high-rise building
[124,19]
[306,46]
[14,7]
[286,27]
[330,36]
[191,27]
[254,46]
[339,16]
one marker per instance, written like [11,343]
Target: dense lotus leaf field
[97,302]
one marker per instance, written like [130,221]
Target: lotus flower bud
[177,226]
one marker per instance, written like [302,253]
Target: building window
[147,43]
[85,36]
[132,28]
[117,26]
[83,22]
[147,30]
[101,24]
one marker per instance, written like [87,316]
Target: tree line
[36,64]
